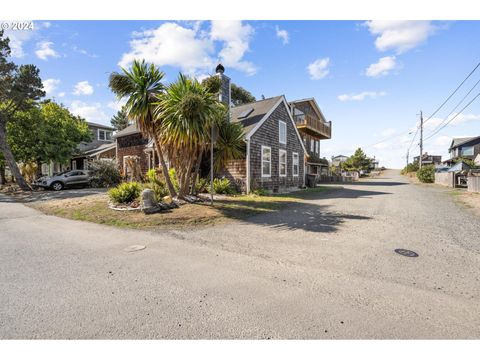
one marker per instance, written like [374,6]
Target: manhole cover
[133,248]
[405,252]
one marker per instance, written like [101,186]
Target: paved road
[321,269]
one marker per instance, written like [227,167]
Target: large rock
[148,200]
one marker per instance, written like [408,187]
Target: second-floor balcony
[313,126]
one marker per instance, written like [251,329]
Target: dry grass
[468,199]
[93,208]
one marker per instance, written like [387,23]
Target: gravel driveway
[324,268]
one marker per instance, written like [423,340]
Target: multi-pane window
[295,167]
[266,161]
[311,146]
[282,162]
[282,132]
[104,135]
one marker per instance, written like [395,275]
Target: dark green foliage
[426,174]
[125,193]
[357,162]
[120,120]
[104,173]
[241,96]
[212,84]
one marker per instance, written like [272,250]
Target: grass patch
[94,208]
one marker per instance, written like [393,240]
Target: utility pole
[407,156]
[421,140]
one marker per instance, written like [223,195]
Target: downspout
[248,167]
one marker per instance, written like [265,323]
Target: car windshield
[62,173]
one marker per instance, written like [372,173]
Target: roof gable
[456,142]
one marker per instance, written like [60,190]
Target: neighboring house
[373,164]
[429,159]
[101,146]
[465,147]
[313,128]
[338,160]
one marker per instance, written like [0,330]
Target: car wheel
[57,186]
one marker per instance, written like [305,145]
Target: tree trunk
[171,189]
[39,169]
[196,172]
[7,153]
[3,180]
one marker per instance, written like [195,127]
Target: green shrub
[410,168]
[426,174]
[156,182]
[125,193]
[222,186]
[201,185]
[173,178]
[104,173]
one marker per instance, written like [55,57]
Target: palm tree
[142,85]
[187,111]
[230,144]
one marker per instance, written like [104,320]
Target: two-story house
[465,147]
[428,159]
[313,128]
[101,146]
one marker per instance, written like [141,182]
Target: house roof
[314,104]
[462,140]
[99,125]
[129,130]
[259,110]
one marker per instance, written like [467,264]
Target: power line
[456,106]
[453,93]
[453,118]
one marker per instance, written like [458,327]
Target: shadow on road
[46,195]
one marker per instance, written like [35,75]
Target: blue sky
[370,79]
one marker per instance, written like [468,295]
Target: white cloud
[19,38]
[89,111]
[361,96]
[236,41]
[192,49]
[117,104]
[61,94]
[382,67]
[83,51]
[399,36]
[319,68]
[83,88]
[170,44]
[50,85]
[442,140]
[45,50]
[282,35]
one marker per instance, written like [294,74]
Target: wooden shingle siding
[132,145]
[236,172]
[268,135]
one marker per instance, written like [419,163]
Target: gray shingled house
[275,154]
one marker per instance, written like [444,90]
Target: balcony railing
[317,127]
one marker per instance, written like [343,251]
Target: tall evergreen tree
[20,88]
[120,120]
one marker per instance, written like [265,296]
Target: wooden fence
[474,183]
[445,179]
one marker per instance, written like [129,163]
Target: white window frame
[269,161]
[74,164]
[295,162]
[99,131]
[280,152]
[280,125]
[317,147]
